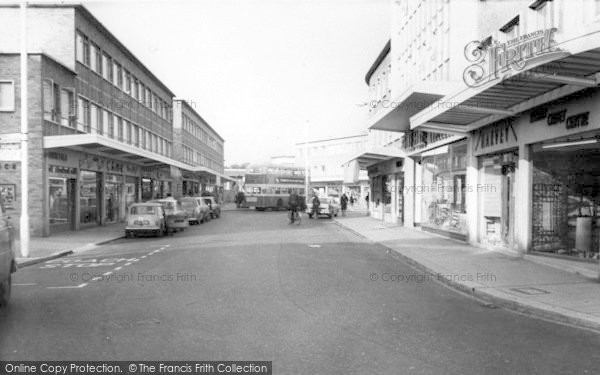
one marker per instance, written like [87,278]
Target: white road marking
[127,264]
[143,256]
[24,284]
[67,287]
[107,273]
[118,268]
[96,278]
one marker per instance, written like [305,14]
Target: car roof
[154,204]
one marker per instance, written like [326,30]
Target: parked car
[146,218]
[205,208]
[196,211]
[177,219]
[214,207]
[8,265]
[329,206]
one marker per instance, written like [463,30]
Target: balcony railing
[418,139]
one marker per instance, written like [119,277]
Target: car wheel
[5,289]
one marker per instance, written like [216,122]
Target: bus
[270,191]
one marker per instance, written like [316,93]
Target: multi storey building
[505,156]
[100,122]
[325,164]
[201,147]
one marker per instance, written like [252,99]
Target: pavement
[57,245]
[558,290]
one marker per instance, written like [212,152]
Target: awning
[101,145]
[394,115]
[546,80]
[374,155]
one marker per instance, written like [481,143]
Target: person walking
[315,206]
[344,203]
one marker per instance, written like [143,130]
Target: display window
[443,188]
[566,197]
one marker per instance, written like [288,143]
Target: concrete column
[418,195]
[102,197]
[523,200]
[472,195]
[408,192]
[77,207]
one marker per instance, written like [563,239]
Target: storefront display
[566,198]
[496,195]
[113,191]
[443,188]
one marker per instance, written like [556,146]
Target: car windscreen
[142,210]
[207,201]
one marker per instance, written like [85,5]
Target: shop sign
[578,121]
[538,114]
[59,169]
[289,180]
[55,155]
[499,61]
[499,134]
[557,117]
[8,193]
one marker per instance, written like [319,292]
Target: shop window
[566,201]
[443,188]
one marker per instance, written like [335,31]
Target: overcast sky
[258,70]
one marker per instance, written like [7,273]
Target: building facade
[507,158]
[325,164]
[100,123]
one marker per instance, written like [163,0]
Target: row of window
[196,158]
[199,133]
[89,54]
[92,118]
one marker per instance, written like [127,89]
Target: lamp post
[24,222]
[306,183]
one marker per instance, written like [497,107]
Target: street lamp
[306,183]
[24,222]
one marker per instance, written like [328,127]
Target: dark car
[8,265]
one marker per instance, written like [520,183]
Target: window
[141,93]
[94,114]
[107,71]
[117,75]
[83,114]
[106,122]
[148,101]
[110,125]
[134,135]
[67,107]
[95,58]
[119,128]
[7,96]
[126,131]
[127,81]
[79,48]
[51,100]
[134,87]
[115,131]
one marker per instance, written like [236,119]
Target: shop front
[62,191]
[497,154]
[442,190]
[386,191]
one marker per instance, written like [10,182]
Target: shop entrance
[89,192]
[112,201]
[496,192]
[62,204]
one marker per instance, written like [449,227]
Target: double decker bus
[271,190]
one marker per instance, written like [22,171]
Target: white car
[329,206]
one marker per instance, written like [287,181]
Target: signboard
[500,135]
[498,61]
[8,194]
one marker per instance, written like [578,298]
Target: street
[250,286]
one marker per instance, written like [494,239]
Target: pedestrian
[352,200]
[315,206]
[344,203]
[367,199]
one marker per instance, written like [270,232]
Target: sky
[259,71]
